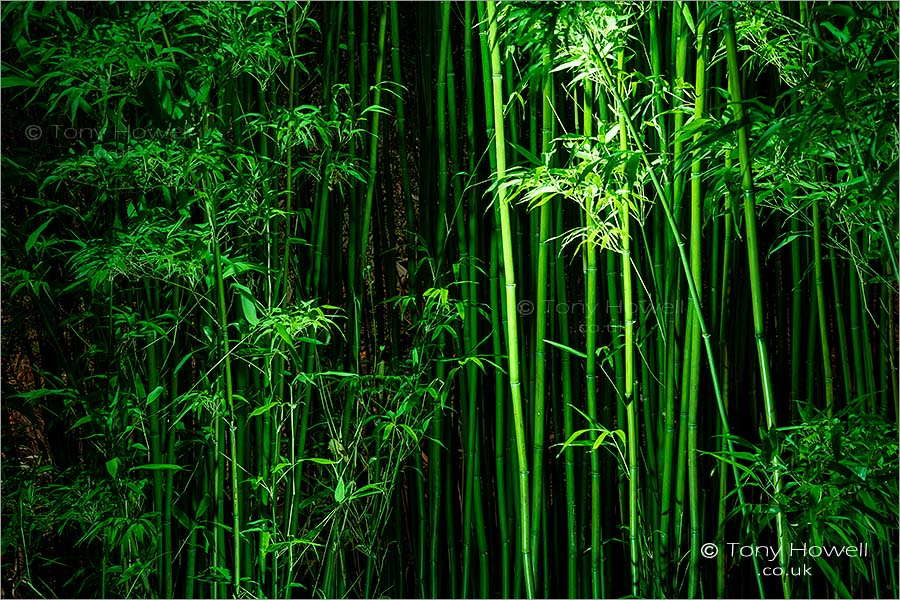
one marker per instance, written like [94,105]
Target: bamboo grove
[451,299]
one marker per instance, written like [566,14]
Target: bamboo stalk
[755,281]
[631,405]
[590,323]
[222,317]
[541,302]
[510,300]
[820,300]
[694,311]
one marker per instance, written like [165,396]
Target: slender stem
[512,335]
[696,264]
[820,300]
[755,279]
[222,316]
[541,307]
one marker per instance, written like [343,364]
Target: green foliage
[835,493]
[266,337]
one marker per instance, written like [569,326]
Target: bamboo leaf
[264,541]
[367,490]
[784,242]
[566,348]
[157,391]
[527,154]
[569,442]
[262,409]
[339,490]
[833,578]
[599,441]
[32,239]
[321,461]
[248,306]
[82,421]
[186,358]
[158,467]
[10,81]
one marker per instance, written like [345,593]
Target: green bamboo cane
[421,512]
[193,549]
[436,454]
[715,279]
[471,390]
[845,357]
[722,472]
[364,53]
[499,325]
[480,527]
[663,279]
[510,300]
[425,110]
[861,387]
[172,459]
[811,348]
[890,265]
[796,311]
[728,243]
[649,397]
[541,308]
[616,350]
[680,41]
[397,74]
[170,348]
[631,406]
[289,171]
[820,301]
[449,526]
[696,263]
[253,447]
[681,472]
[512,119]
[753,259]
[868,363]
[668,440]
[151,304]
[481,532]
[441,123]
[468,247]
[796,247]
[590,309]
[886,360]
[568,422]
[457,219]
[656,70]
[373,151]
[314,279]
[723,306]
[222,316]
[499,420]
[356,257]
[680,37]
